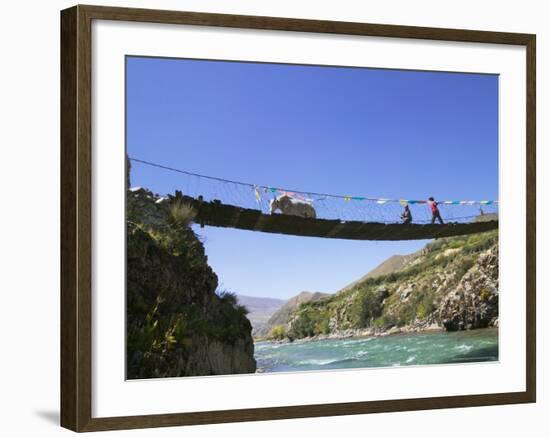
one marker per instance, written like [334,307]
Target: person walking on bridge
[406,216]
[435,211]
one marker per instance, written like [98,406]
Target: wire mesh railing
[326,206]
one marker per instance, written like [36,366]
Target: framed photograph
[270,218]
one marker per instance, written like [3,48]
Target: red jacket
[433,207]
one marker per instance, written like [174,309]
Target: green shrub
[322,326]
[385,321]
[420,305]
[278,332]
[425,305]
[367,306]
[309,321]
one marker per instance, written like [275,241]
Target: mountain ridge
[260,309]
[389,265]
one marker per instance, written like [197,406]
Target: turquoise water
[396,350]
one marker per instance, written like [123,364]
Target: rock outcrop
[474,301]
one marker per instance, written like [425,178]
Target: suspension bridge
[232,204]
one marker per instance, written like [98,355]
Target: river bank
[360,333]
[421,348]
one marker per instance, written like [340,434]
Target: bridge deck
[228,216]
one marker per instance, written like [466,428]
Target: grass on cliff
[182,214]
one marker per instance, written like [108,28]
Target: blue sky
[385,133]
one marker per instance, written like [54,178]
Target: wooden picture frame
[76,217]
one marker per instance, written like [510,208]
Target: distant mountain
[282,315]
[260,309]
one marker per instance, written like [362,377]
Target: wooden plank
[260,223]
[336,230]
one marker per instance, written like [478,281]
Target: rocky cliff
[451,284]
[177,325]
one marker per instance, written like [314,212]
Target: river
[395,350]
